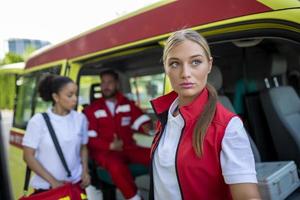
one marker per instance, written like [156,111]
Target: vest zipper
[176,155]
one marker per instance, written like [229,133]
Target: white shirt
[71,132]
[237,163]
[111,106]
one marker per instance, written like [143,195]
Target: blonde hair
[206,117]
[183,35]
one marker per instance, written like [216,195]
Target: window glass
[145,88]
[27,101]
[39,104]
[89,89]
[24,100]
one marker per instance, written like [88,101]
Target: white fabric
[71,131]
[139,121]
[100,113]
[92,133]
[237,161]
[111,106]
[135,197]
[164,173]
[123,108]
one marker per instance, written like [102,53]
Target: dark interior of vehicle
[251,69]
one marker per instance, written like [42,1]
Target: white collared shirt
[71,132]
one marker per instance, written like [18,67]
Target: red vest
[198,177]
[128,117]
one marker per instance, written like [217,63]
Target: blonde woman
[201,150]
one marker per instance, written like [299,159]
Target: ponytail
[204,120]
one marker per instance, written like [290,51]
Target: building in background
[19,46]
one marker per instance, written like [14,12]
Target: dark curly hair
[50,84]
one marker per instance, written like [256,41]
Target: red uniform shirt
[127,117]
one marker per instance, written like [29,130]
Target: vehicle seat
[215,78]
[281,105]
[95,92]
[294,80]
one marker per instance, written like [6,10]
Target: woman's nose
[186,71]
[75,99]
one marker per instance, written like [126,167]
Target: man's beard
[109,94]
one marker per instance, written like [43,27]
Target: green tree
[28,51]
[8,80]
[11,57]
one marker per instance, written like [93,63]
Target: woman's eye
[174,64]
[196,62]
[71,95]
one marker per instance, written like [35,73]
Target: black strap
[56,143]
[58,149]
[26,183]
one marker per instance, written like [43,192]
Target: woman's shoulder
[36,122]
[223,115]
[36,118]
[78,115]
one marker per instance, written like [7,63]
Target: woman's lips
[186,85]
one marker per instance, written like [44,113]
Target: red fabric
[73,191]
[107,126]
[116,163]
[199,177]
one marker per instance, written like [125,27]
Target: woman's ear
[210,62]
[55,97]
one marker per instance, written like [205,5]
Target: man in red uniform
[112,120]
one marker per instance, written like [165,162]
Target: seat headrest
[279,65]
[95,92]
[215,78]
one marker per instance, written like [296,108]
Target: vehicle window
[24,100]
[39,104]
[27,101]
[145,88]
[86,82]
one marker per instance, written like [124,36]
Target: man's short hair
[110,72]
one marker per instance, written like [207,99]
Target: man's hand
[116,144]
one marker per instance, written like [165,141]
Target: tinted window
[145,88]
